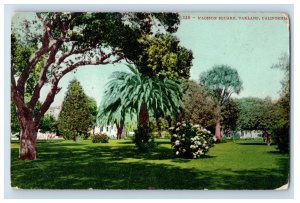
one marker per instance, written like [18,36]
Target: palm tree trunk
[143,117]
[120,129]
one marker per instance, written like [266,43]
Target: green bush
[281,136]
[162,134]
[100,138]
[191,141]
[85,136]
[142,139]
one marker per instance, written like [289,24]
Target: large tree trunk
[27,141]
[143,118]
[218,130]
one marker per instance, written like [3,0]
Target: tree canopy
[230,113]
[255,114]
[222,81]
[198,106]
[76,117]
[48,124]
[162,55]
[281,127]
[127,91]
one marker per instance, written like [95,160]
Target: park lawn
[245,164]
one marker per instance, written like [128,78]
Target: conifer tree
[75,118]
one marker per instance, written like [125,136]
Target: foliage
[14,123]
[191,141]
[198,106]
[141,138]
[283,64]
[281,127]
[230,115]
[255,114]
[93,109]
[163,56]
[281,135]
[48,124]
[126,91]
[75,118]
[100,138]
[20,54]
[222,81]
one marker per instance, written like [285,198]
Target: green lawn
[116,165]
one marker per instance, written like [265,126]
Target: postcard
[155,101]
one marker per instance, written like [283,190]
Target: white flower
[183,135]
[171,128]
[177,129]
[206,147]
[183,150]
[192,146]
[177,142]
[183,124]
[196,126]
[174,135]
[177,152]
[178,123]
[215,139]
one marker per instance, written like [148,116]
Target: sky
[250,45]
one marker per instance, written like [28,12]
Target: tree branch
[70,53]
[22,111]
[48,101]
[43,76]
[31,64]
[103,61]
[64,26]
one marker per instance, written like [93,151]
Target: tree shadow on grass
[277,152]
[127,142]
[253,143]
[103,167]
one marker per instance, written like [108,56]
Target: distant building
[111,131]
[244,134]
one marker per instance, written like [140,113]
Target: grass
[116,165]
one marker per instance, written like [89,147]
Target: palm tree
[222,81]
[134,94]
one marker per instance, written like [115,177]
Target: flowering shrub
[100,137]
[191,141]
